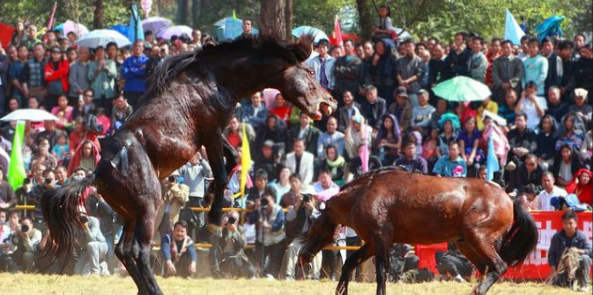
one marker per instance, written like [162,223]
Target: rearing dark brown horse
[391,206]
[191,99]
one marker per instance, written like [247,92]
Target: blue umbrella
[98,38]
[550,27]
[230,28]
[462,88]
[302,30]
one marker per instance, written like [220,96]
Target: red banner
[536,265]
[6,32]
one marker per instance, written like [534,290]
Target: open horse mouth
[322,108]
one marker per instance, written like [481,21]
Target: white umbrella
[175,30]
[98,38]
[33,115]
[155,24]
[79,29]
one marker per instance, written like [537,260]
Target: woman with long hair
[64,107]
[447,136]
[569,137]
[566,164]
[87,156]
[388,140]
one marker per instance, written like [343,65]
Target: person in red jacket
[56,75]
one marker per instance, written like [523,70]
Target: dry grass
[57,285]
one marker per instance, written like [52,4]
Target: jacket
[315,64]
[174,197]
[78,79]
[305,168]
[135,71]
[103,81]
[61,74]
[560,242]
[347,72]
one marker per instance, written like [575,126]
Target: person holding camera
[299,220]
[7,197]
[175,195]
[227,254]
[270,235]
[179,252]
[9,223]
[94,247]
[48,182]
[26,238]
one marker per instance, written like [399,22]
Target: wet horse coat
[190,102]
[391,206]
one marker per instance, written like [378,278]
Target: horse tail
[521,239]
[61,211]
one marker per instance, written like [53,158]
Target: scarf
[337,163]
[176,255]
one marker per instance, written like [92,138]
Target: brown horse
[390,206]
[191,100]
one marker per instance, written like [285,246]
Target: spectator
[565,165]
[31,39]
[7,196]
[440,111]
[61,150]
[19,34]
[580,185]
[26,238]
[530,172]
[494,52]
[571,237]
[555,70]
[385,29]
[568,66]
[583,69]
[229,251]
[402,108]
[453,264]
[532,105]
[300,219]
[61,176]
[51,132]
[569,137]
[487,105]
[460,55]
[96,206]
[78,78]
[422,113]
[15,75]
[179,253]
[580,106]
[529,197]
[507,72]
[578,41]
[346,111]
[535,68]
[410,161]
[448,135]
[300,161]
[80,134]
[309,134]
[175,195]
[289,199]
[478,63]
[323,65]
[254,113]
[84,105]
[234,132]
[56,75]
[549,191]
[334,163]
[102,74]
[451,165]
[402,260]
[195,173]
[270,236]
[43,154]
[34,83]
[87,156]
[388,141]
[469,139]
[410,71]
[373,108]
[261,187]
[546,140]
[507,109]
[282,184]
[587,146]
[357,134]
[134,71]
[382,69]
[347,70]
[266,160]
[557,108]
[246,26]
[522,140]
[274,130]
[120,112]
[437,66]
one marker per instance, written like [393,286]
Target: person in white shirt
[532,105]
[549,191]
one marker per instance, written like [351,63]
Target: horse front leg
[381,267]
[214,144]
[358,257]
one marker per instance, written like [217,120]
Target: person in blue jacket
[135,72]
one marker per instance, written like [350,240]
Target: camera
[171,179]
[306,198]
[232,220]
[27,180]
[24,228]
[47,180]
[264,203]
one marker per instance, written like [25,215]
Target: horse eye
[311,72]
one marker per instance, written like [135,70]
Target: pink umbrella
[270,97]
[78,29]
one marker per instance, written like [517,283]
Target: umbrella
[319,34]
[98,38]
[462,88]
[33,115]
[155,24]
[175,30]
[231,28]
[78,29]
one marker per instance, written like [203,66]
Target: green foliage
[318,13]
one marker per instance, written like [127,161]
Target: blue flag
[135,31]
[491,160]
[512,30]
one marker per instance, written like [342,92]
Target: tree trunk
[272,20]
[365,17]
[288,16]
[184,12]
[196,13]
[99,11]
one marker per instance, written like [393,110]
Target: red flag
[6,32]
[338,32]
[51,18]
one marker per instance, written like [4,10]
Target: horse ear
[302,48]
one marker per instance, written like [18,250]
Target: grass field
[56,285]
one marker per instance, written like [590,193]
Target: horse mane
[169,68]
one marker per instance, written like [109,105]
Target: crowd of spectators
[388,116]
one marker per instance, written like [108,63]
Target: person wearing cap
[299,220]
[347,69]
[401,108]
[410,71]
[175,195]
[323,66]
[581,108]
[102,74]
[195,173]
[134,70]
[373,108]
[56,75]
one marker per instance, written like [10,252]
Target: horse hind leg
[123,251]
[141,253]
[488,261]
[358,257]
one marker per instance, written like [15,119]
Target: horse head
[298,84]
[321,233]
